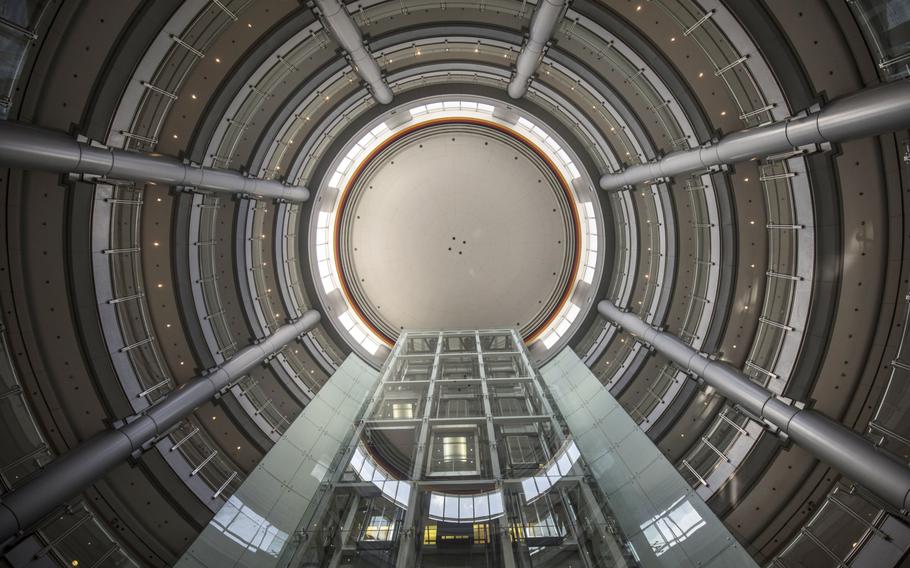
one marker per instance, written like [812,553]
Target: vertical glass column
[668,524]
[461,460]
[265,522]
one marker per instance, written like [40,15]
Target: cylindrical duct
[80,467]
[543,24]
[348,35]
[33,148]
[833,443]
[868,112]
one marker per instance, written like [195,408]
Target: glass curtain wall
[461,460]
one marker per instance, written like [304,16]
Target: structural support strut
[348,35]
[865,113]
[80,467]
[34,148]
[833,443]
[543,24]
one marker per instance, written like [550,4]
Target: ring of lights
[343,253]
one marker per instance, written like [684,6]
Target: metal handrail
[25,33]
[128,280]
[188,49]
[835,511]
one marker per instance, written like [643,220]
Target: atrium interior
[454,283]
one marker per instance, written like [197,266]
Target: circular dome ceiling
[457,223]
[455,214]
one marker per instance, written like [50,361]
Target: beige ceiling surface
[458,226]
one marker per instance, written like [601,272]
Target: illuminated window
[402,410]
[672,526]
[453,452]
[379,528]
[454,448]
[429,534]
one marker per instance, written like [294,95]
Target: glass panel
[886,26]
[669,524]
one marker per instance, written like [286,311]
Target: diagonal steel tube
[833,443]
[543,25]
[868,112]
[35,148]
[348,35]
[80,467]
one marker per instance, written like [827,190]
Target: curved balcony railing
[162,89]
[296,299]
[727,63]
[578,34]
[890,426]
[838,531]
[884,26]
[261,88]
[788,276]
[18,34]
[75,535]
[124,255]
[705,259]
[213,317]
[136,353]
[856,517]
[270,262]
[372,13]
[27,451]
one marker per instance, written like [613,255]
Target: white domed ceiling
[455,225]
[456,214]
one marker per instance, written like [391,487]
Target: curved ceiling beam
[865,113]
[546,18]
[81,466]
[30,147]
[339,22]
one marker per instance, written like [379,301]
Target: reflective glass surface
[667,523]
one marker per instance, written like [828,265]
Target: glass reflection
[672,526]
[248,528]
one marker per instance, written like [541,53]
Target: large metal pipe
[865,113]
[80,467]
[35,148]
[833,443]
[348,35]
[543,24]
